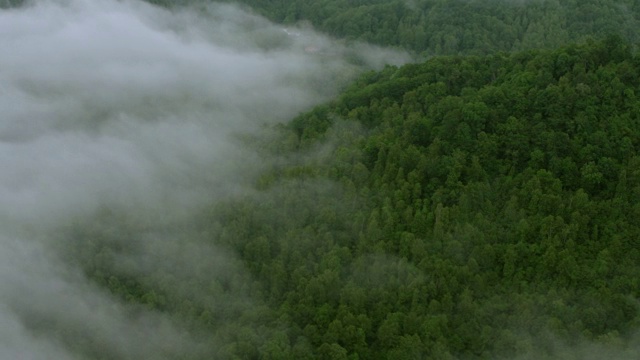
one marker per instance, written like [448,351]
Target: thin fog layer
[121,105]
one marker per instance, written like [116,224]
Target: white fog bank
[120,104]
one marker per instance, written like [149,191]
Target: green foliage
[479,206]
[445,27]
[466,207]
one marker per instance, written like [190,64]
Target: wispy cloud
[123,105]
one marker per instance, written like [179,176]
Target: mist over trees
[193,181]
[121,122]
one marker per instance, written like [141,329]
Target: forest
[454,27]
[480,203]
[469,207]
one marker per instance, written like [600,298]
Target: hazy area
[121,106]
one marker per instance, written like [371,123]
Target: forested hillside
[445,27]
[466,207]
[481,204]
[450,27]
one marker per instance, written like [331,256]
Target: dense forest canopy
[448,27]
[481,204]
[489,202]
[467,207]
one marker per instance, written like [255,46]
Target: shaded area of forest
[466,207]
[445,27]
[449,27]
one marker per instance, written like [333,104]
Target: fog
[141,111]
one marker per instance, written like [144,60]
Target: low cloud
[127,106]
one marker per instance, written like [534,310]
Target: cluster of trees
[451,27]
[445,27]
[477,206]
[466,207]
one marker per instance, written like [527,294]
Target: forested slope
[481,206]
[450,27]
[437,27]
[467,207]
